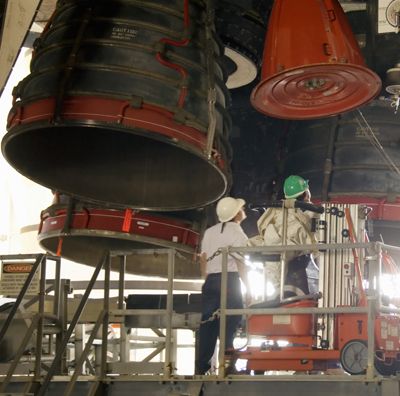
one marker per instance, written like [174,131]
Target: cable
[369,133]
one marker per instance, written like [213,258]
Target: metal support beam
[83,357]
[18,20]
[74,321]
[106,307]
[19,353]
[222,320]
[169,311]
[39,336]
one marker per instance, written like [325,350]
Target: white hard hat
[228,208]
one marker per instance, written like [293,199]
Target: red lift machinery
[315,342]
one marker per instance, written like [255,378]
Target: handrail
[39,260]
[60,351]
[297,248]
[370,310]
[21,349]
[106,308]
[85,354]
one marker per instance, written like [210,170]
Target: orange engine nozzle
[312,65]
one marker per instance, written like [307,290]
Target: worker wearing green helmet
[298,232]
[295,186]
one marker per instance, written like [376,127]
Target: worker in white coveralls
[227,232]
[299,232]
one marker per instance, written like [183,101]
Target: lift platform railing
[374,305]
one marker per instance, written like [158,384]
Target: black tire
[387,366]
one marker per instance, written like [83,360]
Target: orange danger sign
[13,276]
[17,268]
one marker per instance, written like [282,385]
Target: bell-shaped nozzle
[128,116]
[312,66]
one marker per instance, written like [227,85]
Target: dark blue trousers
[209,331]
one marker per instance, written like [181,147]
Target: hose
[297,204]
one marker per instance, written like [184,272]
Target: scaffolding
[49,374]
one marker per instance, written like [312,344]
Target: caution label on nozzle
[13,277]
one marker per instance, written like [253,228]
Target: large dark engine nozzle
[119,103]
[81,232]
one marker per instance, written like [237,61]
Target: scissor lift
[336,334]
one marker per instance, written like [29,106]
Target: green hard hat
[294,186]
